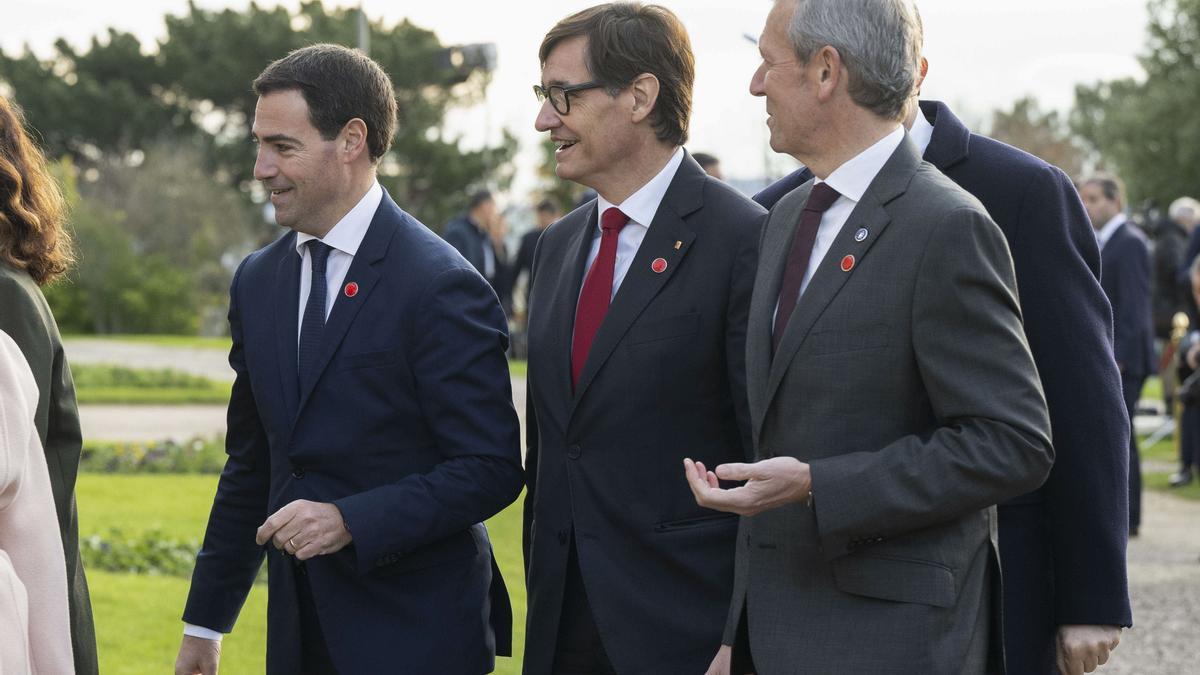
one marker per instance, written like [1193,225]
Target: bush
[152,553]
[135,386]
[194,456]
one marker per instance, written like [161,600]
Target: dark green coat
[26,317]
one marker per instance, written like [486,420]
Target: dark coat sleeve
[1068,323]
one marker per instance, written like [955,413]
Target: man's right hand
[720,663]
[198,656]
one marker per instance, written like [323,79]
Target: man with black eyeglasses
[636,359]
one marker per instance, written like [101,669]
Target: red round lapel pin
[847,263]
[659,265]
[351,289]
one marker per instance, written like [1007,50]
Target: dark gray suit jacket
[26,317]
[907,384]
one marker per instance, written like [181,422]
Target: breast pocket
[374,359]
[839,341]
[664,328]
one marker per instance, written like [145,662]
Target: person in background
[35,249]
[1171,293]
[474,235]
[710,164]
[1187,362]
[1125,277]
[522,270]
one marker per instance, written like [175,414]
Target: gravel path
[211,363]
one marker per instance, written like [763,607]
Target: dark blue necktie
[314,312]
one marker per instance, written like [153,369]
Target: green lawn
[113,384]
[137,617]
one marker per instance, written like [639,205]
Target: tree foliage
[1039,133]
[105,103]
[1148,131]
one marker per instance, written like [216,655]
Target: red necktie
[819,201]
[597,291]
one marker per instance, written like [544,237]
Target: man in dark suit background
[1062,547]
[636,343]
[1125,276]
[883,328]
[371,426]
[472,233]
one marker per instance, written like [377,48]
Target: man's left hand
[1082,649]
[305,529]
[770,484]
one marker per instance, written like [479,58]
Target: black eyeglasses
[558,94]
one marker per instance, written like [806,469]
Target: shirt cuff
[201,632]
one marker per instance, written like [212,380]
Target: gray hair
[1184,208]
[880,42]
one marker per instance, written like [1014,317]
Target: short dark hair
[338,84]
[1110,186]
[477,198]
[704,159]
[627,39]
[547,206]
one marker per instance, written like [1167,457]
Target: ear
[645,95]
[921,73]
[352,141]
[830,72]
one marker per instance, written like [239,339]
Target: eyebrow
[278,138]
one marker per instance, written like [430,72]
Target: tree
[1148,132]
[1039,133]
[104,104]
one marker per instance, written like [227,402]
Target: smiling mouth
[276,193]
[563,145]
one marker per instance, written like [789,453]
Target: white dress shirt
[1109,228]
[921,132]
[851,180]
[345,238]
[640,207]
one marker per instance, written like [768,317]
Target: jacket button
[574,451]
[562,537]
[297,472]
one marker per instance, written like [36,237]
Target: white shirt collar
[921,132]
[348,233]
[1109,228]
[643,204]
[853,177]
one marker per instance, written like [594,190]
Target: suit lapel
[642,283]
[773,253]
[566,298]
[286,308]
[363,272]
[870,213]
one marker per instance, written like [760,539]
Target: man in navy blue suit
[1062,547]
[371,426]
[1125,255]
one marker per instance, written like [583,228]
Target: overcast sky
[983,55]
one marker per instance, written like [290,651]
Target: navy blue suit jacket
[1126,280]
[1070,557]
[408,428]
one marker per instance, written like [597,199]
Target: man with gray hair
[893,398]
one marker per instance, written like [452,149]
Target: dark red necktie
[819,201]
[597,291]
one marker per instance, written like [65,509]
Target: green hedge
[195,456]
[108,384]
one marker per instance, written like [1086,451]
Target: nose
[547,118]
[264,165]
[758,80]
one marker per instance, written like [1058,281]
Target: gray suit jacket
[907,384]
